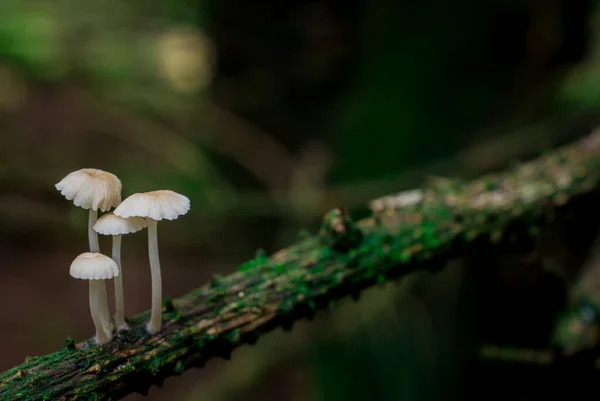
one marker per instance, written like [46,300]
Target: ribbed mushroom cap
[93,266]
[111,224]
[91,188]
[156,205]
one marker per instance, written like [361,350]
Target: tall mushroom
[110,224]
[96,268]
[92,189]
[154,206]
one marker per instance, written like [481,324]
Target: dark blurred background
[266,114]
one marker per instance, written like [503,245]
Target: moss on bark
[344,258]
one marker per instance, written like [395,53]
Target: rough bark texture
[343,258]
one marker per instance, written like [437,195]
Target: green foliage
[32,38]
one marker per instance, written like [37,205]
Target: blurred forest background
[266,114]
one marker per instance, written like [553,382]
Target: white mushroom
[96,268]
[154,206]
[110,224]
[92,189]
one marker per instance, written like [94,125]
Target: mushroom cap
[111,224]
[91,188]
[156,205]
[93,266]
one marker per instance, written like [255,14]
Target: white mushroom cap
[94,266]
[91,188]
[111,224]
[156,205]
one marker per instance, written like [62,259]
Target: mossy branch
[404,233]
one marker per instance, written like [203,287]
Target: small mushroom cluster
[95,190]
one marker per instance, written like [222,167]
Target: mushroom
[96,268]
[154,206]
[110,224]
[92,189]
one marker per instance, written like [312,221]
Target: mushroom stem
[93,235]
[119,299]
[108,326]
[155,318]
[95,248]
[97,305]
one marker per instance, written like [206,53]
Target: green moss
[286,306]
[260,256]
[128,369]
[279,268]
[246,266]
[168,304]
[260,260]
[155,365]
[339,232]
[70,344]
[179,367]
[216,281]
[233,336]
[217,296]
[178,317]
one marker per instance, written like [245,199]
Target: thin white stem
[97,288]
[93,235]
[119,299]
[106,322]
[95,248]
[155,318]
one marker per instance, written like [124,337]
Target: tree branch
[344,258]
